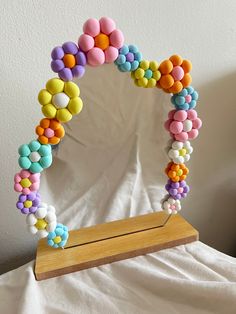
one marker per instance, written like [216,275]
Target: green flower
[35,157]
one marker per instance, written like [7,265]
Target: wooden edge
[112,259]
[52,263]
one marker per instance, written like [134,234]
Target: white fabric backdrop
[111,166]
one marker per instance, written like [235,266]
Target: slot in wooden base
[113,241]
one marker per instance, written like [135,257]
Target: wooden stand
[111,242]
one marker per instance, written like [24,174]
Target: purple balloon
[66,74]
[57,53]
[70,47]
[57,65]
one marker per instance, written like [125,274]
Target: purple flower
[177,190]
[68,61]
[28,203]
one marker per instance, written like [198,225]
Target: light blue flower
[186,99]
[128,58]
[35,156]
[58,237]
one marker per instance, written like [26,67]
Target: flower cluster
[174,74]
[26,182]
[42,221]
[60,100]
[35,157]
[186,99]
[177,190]
[58,237]
[180,152]
[128,58]
[183,125]
[28,203]
[176,172]
[171,206]
[147,74]
[100,41]
[68,61]
[49,131]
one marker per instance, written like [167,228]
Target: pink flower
[26,182]
[183,125]
[101,41]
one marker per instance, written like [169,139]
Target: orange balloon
[69,60]
[165,67]
[187,66]
[102,41]
[176,87]
[186,80]
[166,81]
[176,60]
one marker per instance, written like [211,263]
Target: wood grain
[113,241]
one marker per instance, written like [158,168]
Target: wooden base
[113,241]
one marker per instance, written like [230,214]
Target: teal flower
[128,59]
[35,156]
[58,237]
[186,99]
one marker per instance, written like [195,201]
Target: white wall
[203,31]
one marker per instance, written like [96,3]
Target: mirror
[110,164]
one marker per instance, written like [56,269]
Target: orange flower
[176,172]
[174,74]
[50,131]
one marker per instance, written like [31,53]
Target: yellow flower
[147,74]
[60,100]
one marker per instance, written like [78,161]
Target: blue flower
[35,156]
[186,99]
[58,237]
[128,58]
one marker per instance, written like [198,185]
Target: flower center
[28,204]
[129,57]
[180,190]
[60,100]
[172,207]
[34,156]
[188,98]
[49,133]
[182,152]
[69,60]
[148,74]
[25,183]
[41,224]
[179,172]
[57,239]
[177,73]
[102,41]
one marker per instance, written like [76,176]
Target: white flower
[171,206]
[180,152]
[43,221]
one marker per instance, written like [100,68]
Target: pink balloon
[171,114]
[176,127]
[192,114]
[86,42]
[180,115]
[91,27]
[111,54]
[95,57]
[167,124]
[107,25]
[117,38]
[177,73]
[182,137]
[192,134]
[197,123]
